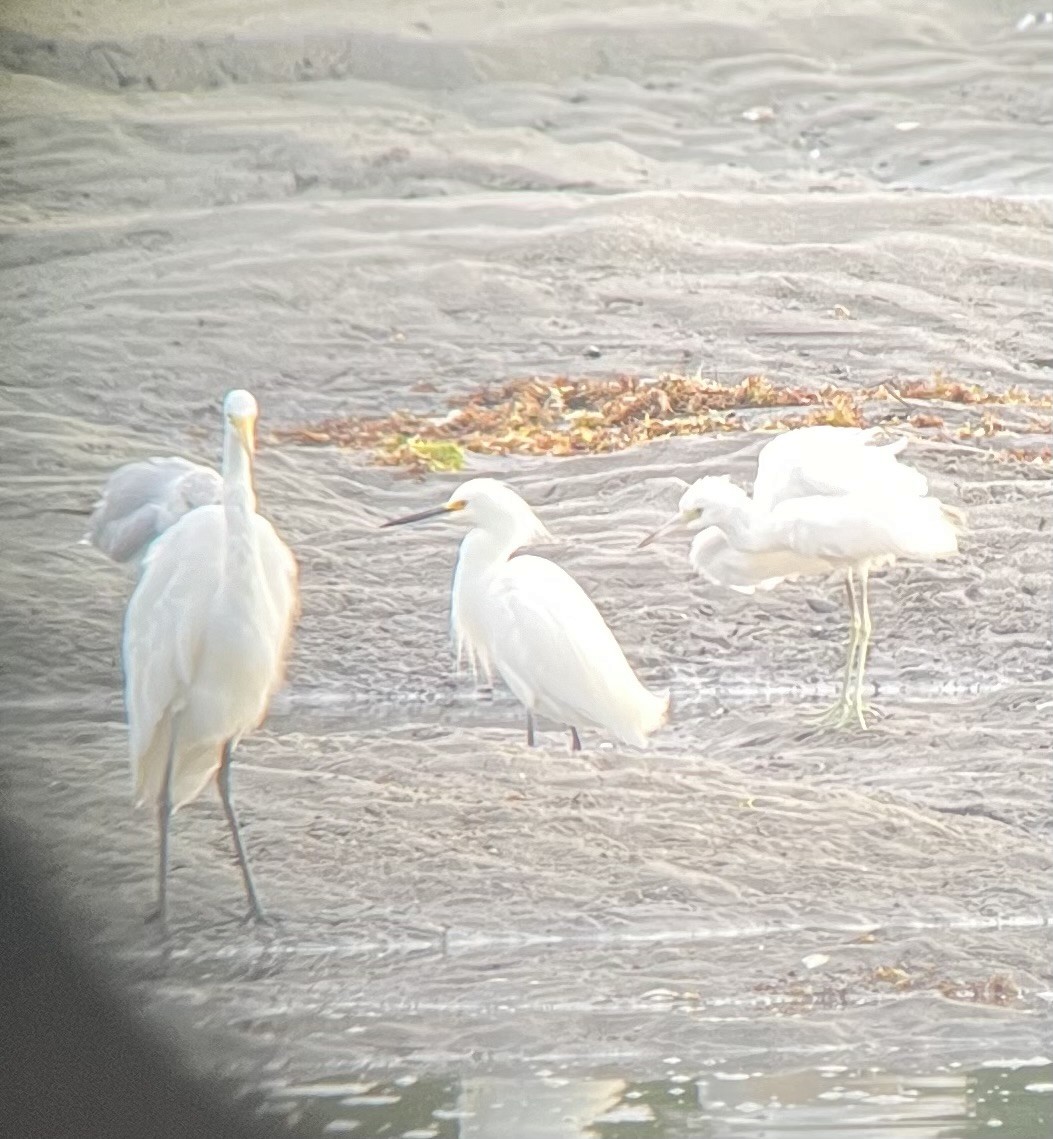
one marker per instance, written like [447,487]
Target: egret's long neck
[239,505]
[482,552]
[480,556]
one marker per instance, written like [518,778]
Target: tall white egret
[205,640]
[529,619]
[817,534]
[141,500]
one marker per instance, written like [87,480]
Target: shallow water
[1013,1101]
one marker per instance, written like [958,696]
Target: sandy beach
[352,214]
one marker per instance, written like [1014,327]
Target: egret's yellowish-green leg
[841,711]
[863,643]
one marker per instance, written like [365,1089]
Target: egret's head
[489,505]
[706,501]
[241,410]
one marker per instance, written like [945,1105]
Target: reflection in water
[1013,1101]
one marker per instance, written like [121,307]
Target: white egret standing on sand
[530,620]
[824,461]
[141,500]
[816,534]
[205,638]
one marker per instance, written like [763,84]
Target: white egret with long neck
[205,640]
[853,533]
[529,619]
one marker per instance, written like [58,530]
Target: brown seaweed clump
[566,416]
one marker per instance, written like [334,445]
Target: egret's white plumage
[832,461]
[826,461]
[713,557]
[205,638]
[840,532]
[824,499]
[530,620]
[143,499]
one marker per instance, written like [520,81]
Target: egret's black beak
[432,512]
[665,528]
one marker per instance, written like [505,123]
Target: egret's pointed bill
[432,512]
[665,528]
[245,428]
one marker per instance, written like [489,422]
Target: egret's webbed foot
[846,712]
[157,917]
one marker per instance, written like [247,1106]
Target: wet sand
[352,219]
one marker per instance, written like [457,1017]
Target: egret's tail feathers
[651,715]
[664,707]
[928,529]
[194,767]
[955,517]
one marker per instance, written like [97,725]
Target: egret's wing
[282,577]
[832,461]
[557,654]
[166,619]
[785,464]
[866,527]
[141,500]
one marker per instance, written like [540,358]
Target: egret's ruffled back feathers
[832,461]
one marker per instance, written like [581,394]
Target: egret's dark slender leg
[530,728]
[575,740]
[223,779]
[164,819]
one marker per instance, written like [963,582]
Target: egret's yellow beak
[674,523]
[433,512]
[245,426]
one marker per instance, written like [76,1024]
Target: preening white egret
[205,640]
[829,461]
[141,500]
[529,619]
[853,532]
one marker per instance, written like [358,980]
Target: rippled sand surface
[352,214]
